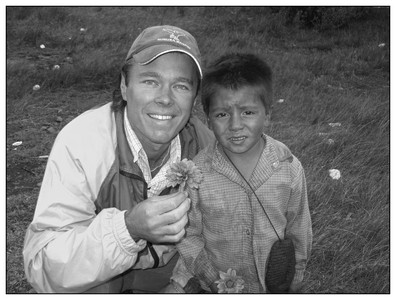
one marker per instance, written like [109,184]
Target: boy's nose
[236,123]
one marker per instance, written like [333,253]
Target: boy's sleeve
[192,250]
[299,226]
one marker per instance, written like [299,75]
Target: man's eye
[150,82]
[182,87]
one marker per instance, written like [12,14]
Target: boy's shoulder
[205,156]
[284,154]
[282,151]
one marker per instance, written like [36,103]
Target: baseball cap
[155,41]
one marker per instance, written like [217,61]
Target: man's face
[160,97]
[238,119]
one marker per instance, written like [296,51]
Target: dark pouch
[281,265]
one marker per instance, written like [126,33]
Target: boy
[228,227]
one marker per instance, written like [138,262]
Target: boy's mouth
[238,139]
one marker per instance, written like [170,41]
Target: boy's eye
[248,113]
[220,115]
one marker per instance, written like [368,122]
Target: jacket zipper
[149,244]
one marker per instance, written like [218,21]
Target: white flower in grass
[381,45]
[16,144]
[83,29]
[281,100]
[36,87]
[56,67]
[335,124]
[330,142]
[42,46]
[335,174]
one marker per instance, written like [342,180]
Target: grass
[325,75]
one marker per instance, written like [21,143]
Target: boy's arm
[299,226]
[192,250]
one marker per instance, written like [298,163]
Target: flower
[56,67]
[229,282]
[182,173]
[42,46]
[36,87]
[281,100]
[335,174]
[381,45]
[330,141]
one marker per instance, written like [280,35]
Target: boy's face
[238,118]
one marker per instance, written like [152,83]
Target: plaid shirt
[228,227]
[159,182]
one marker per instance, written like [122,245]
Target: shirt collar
[140,156]
[133,141]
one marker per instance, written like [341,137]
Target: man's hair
[118,102]
[234,71]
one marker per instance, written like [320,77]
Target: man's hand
[159,219]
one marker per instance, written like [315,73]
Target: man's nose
[165,96]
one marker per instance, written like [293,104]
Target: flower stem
[181,186]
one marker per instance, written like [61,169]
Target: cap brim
[146,56]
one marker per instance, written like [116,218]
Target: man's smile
[161,117]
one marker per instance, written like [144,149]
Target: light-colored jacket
[78,240]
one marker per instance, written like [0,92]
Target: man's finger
[175,228]
[176,214]
[173,238]
[169,203]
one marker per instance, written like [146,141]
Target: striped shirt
[159,182]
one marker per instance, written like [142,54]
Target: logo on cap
[174,37]
[174,34]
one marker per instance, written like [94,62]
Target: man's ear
[123,87]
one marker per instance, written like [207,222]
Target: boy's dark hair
[234,71]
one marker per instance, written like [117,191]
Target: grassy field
[330,66]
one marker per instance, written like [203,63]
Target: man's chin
[163,139]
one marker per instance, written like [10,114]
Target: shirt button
[247,232]
[275,164]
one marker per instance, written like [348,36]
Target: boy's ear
[209,123]
[267,119]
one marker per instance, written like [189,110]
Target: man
[104,213]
